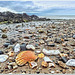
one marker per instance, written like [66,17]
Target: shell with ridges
[24,57]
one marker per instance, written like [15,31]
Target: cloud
[39,7]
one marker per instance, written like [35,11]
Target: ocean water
[60,17]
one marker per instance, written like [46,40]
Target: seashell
[44,64]
[41,55]
[24,57]
[51,65]
[33,64]
[47,59]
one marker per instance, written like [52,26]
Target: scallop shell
[24,57]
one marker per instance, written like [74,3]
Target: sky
[39,8]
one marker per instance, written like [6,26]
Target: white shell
[47,59]
[3,58]
[51,52]
[30,47]
[71,62]
[17,48]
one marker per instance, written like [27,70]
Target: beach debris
[71,62]
[41,41]
[17,48]
[23,47]
[41,55]
[4,36]
[74,36]
[63,65]
[51,65]
[38,51]
[24,57]
[3,58]
[30,47]
[51,52]
[51,44]
[58,40]
[1,52]
[47,59]
[44,64]
[6,44]
[33,64]
[11,53]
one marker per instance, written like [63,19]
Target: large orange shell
[24,57]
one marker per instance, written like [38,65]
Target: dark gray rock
[23,47]
[1,52]
[6,44]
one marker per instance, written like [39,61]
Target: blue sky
[40,8]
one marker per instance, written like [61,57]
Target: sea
[59,17]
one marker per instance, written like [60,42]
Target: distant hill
[9,17]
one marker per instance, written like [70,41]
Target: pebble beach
[50,47]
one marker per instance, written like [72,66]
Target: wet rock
[51,52]
[12,41]
[37,71]
[11,46]
[71,62]
[41,31]
[41,55]
[33,64]
[63,71]
[47,59]
[58,40]
[63,65]
[57,71]
[51,44]
[41,41]
[10,67]
[6,44]
[27,36]
[15,67]
[74,36]
[64,44]
[38,51]
[30,47]
[17,48]
[52,72]
[3,58]
[44,64]
[4,36]
[1,52]
[23,47]
[64,59]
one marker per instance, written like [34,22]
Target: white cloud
[3,9]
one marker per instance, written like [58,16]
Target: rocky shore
[10,17]
[37,47]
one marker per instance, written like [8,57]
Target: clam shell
[24,57]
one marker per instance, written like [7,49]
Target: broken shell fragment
[24,57]
[51,65]
[47,59]
[63,65]
[51,52]
[33,64]
[41,55]
[44,64]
